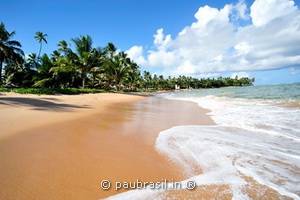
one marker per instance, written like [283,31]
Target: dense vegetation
[79,64]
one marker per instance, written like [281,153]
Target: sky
[258,38]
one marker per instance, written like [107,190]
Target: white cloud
[161,58]
[241,9]
[206,15]
[216,43]
[186,68]
[242,48]
[160,40]
[136,53]
[264,11]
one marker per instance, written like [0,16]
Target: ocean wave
[226,155]
[255,140]
[253,137]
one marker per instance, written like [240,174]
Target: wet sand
[61,147]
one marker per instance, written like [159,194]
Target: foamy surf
[254,137]
[226,155]
[254,149]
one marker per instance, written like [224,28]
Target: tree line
[79,64]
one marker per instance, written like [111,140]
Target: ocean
[256,138]
[257,135]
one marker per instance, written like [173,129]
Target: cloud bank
[235,38]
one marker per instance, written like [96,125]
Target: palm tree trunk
[40,50]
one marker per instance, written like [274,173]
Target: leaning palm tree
[10,50]
[40,37]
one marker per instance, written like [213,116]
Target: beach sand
[61,147]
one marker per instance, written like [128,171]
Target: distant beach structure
[177,87]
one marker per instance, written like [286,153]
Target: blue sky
[124,22]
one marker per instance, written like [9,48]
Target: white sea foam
[249,114]
[254,138]
[225,153]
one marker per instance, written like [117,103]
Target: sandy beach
[150,100]
[61,147]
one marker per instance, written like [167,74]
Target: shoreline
[66,157]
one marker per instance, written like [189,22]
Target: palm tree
[32,60]
[134,77]
[117,69]
[10,50]
[147,79]
[63,46]
[40,37]
[86,57]
[110,50]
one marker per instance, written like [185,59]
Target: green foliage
[10,50]
[51,91]
[79,64]
[40,37]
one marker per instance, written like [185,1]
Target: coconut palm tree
[10,50]
[86,57]
[147,79]
[32,60]
[40,37]
[117,69]
[110,50]
[63,46]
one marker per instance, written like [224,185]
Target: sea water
[257,135]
